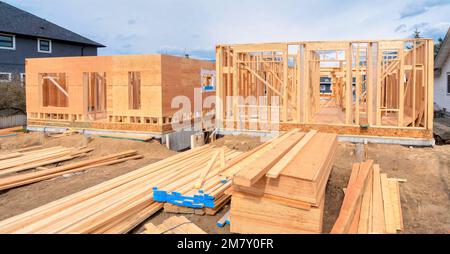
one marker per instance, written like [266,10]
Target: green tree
[437,46]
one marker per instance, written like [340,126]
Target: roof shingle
[16,21]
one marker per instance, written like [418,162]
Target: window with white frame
[22,78]
[5,77]
[44,46]
[448,82]
[7,41]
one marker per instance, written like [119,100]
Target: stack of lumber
[122,203]
[218,205]
[20,161]
[10,132]
[206,189]
[49,173]
[371,203]
[280,186]
[173,225]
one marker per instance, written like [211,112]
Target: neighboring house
[24,35]
[442,75]
[325,85]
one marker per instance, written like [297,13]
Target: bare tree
[417,34]
[12,96]
[437,46]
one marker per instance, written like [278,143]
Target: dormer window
[7,41]
[44,46]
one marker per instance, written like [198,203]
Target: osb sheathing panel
[179,78]
[150,68]
[161,77]
[73,67]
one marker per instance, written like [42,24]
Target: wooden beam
[352,198]
[389,216]
[57,85]
[401,87]
[378,85]
[275,171]
[369,88]
[285,85]
[349,87]
[429,86]
[378,221]
[264,163]
[206,170]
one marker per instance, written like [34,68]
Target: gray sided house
[24,35]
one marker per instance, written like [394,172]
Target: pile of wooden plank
[204,188]
[173,225]
[10,132]
[20,161]
[280,186]
[49,173]
[179,209]
[120,204]
[371,203]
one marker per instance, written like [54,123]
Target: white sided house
[442,75]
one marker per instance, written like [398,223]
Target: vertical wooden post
[357,85]
[413,83]
[285,85]
[369,82]
[430,85]
[349,86]
[379,83]
[297,84]
[235,84]
[401,87]
[228,85]
[305,99]
[219,89]
[86,81]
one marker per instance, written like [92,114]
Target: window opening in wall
[208,80]
[54,89]
[95,85]
[134,90]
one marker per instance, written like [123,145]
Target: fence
[11,121]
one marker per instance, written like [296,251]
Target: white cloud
[196,26]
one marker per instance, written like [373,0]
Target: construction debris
[371,203]
[280,187]
[173,225]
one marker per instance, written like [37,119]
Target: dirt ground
[425,197]
[19,200]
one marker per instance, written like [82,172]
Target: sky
[195,26]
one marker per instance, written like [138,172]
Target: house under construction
[120,93]
[378,88]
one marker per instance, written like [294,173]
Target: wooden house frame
[124,93]
[391,92]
